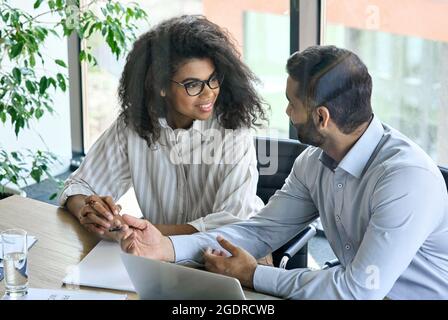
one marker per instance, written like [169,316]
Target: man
[382,201]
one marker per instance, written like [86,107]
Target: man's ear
[323,116]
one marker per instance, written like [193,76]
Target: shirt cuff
[266,279]
[71,190]
[186,248]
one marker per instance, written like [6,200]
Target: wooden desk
[61,243]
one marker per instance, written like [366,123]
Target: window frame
[305,30]
[77,96]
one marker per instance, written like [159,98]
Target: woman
[182,138]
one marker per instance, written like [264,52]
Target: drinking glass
[15,250]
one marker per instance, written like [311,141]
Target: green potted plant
[26,95]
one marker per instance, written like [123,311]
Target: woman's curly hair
[157,55]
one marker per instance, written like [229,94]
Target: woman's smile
[206,107]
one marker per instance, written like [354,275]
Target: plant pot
[10,191]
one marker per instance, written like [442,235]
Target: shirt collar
[356,159]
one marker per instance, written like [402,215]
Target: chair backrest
[445,175]
[288,150]
[285,153]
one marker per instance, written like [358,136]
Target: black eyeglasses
[195,87]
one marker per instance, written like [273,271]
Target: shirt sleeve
[405,209]
[105,169]
[288,212]
[236,198]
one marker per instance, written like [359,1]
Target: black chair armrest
[298,244]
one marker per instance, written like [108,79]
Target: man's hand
[141,238]
[240,264]
[99,214]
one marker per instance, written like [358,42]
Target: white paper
[47,294]
[101,268]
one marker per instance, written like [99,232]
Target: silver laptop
[154,279]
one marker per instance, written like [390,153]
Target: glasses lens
[194,88]
[214,82]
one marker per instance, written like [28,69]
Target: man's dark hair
[157,55]
[335,78]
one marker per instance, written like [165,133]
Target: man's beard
[308,134]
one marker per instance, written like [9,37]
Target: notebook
[101,268]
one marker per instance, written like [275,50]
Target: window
[405,48]
[260,28]
[266,49]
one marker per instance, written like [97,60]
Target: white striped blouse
[205,176]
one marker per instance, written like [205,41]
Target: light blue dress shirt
[384,209]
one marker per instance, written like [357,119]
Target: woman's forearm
[175,229]
[75,203]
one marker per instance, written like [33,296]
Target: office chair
[294,254]
[444,172]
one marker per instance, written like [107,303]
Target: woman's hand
[99,214]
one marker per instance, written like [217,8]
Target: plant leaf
[17,75]
[37,4]
[3,116]
[36,173]
[61,63]
[38,113]
[43,85]
[32,60]
[30,86]
[61,81]
[82,55]
[16,50]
